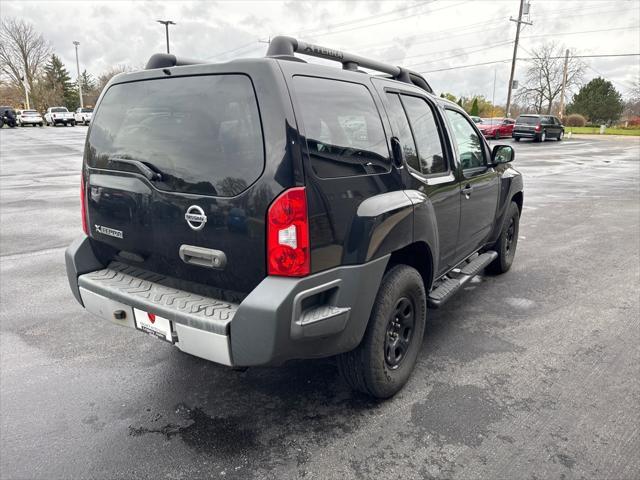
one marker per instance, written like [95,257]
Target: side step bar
[445,290]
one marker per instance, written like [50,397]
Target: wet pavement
[533,374]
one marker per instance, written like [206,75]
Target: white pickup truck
[56,115]
[83,115]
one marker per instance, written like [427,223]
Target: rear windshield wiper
[150,173]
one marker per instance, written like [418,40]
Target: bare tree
[543,82]
[23,52]
[107,75]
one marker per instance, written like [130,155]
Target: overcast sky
[423,35]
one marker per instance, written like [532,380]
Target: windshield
[59,110]
[492,121]
[528,120]
[203,133]
[29,113]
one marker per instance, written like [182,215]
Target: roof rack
[285,47]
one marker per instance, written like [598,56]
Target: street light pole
[76,43]
[166,24]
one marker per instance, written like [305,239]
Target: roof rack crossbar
[166,60]
[284,47]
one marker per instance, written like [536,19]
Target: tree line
[29,65]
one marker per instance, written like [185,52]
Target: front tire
[382,363]
[517,139]
[560,136]
[507,242]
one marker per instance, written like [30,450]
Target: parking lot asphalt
[534,374]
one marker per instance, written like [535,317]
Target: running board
[445,290]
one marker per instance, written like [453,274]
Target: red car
[496,127]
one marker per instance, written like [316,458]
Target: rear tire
[382,363]
[507,242]
[517,139]
[560,135]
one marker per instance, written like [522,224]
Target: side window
[344,131]
[469,143]
[402,130]
[425,131]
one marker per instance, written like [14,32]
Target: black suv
[538,127]
[270,209]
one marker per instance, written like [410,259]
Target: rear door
[416,123]
[175,176]
[480,185]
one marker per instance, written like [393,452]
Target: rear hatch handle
[146,170]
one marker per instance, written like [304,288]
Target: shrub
[575,120]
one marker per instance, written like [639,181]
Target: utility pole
[76,43]
[493,97]
[564,82]
[166,24]
[26,92]
[519,21]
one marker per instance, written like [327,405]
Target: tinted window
[402,130]
[527,120]
[469,143]
[59,110]
[203,133]
[344,131]
[425,132]
[547,120]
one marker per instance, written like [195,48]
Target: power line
[387,21]
[583,31]
[508,42]
[363,19]
[232,50]
[530,58]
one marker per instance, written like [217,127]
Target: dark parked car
[8,117]
[538,127]
[271,209]
[496,127]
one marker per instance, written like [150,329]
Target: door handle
[203,257]
[467,190]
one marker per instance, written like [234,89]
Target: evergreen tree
[57,79]
[475,110]
[87,82]
[599,101]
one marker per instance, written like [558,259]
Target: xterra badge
[112,232]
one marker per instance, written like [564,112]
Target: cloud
[112,33]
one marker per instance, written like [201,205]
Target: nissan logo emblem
[195,217]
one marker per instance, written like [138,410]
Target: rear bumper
[525,134]
[281,319]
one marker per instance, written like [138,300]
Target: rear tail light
[537,128]
[83,206]
[288,234]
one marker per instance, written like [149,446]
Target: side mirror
[502,154]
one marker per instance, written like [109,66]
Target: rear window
[343,128]
[528,120]
[59,110]
[202,133]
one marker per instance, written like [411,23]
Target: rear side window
[427,137]
[527,120]
[343,128]
[202,133]
[402,130]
